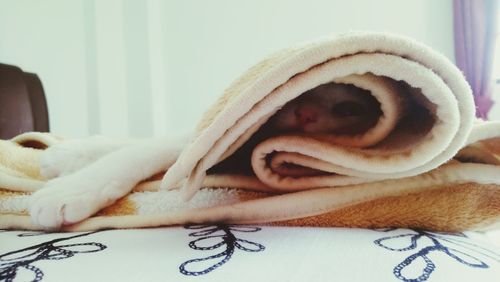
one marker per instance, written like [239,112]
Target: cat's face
[328,108]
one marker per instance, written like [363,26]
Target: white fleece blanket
[392,68]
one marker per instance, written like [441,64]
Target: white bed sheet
[248,253]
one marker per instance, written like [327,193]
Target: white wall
[139,68]
[46,37]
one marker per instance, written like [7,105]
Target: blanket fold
[407,151]
[426,114]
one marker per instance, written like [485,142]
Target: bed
[248,253]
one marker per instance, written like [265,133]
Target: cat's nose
[306,114]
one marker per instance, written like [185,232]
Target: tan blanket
[400,168]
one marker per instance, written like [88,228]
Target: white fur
[94,173]
[69,156]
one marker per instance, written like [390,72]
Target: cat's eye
[348,109]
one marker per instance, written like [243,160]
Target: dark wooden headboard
[23,106]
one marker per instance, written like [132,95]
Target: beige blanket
[400,168]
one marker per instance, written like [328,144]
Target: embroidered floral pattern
[12,262]
[454,245]
[228,241]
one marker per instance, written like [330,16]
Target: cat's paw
[67,200]
[70,156]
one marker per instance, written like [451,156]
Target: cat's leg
[76,196]
[71,155]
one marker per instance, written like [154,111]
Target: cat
[329,108]
[89,174]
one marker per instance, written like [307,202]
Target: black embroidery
[32,234]
[445,243]
[228,240]
[27,234]
[12,262]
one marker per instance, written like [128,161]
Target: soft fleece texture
[266,87]
[457,196]
[397,173]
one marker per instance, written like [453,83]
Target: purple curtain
[475,26]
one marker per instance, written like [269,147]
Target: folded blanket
[397,163]
[403,141]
